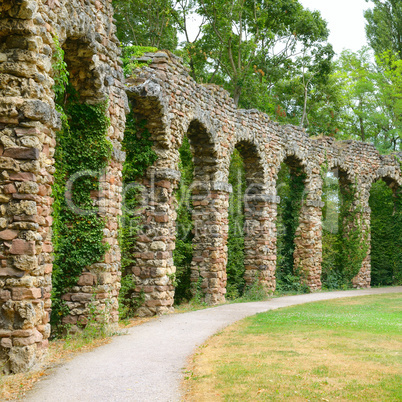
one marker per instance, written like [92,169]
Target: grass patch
[346,349]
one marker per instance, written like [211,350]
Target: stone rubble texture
[164,94]
[174,105]
[28,122]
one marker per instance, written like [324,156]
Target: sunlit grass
[345,349]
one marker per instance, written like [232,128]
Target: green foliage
[254,292]
[137,144]
[77,237]
[183,253]
[130,53]
[138,147]
[240,41]
[146,23]
[352,245]
[290,187]
[235,265]
[384,26]
[60,73]
[386,235]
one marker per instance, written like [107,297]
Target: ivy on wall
[344,239]
[137,144]
[77,238]
[386,235]
[352,245]
[290,188]
[82,145]
[183,253]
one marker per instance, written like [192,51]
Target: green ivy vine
[290,189]
[81,145]
[352,238]
[137,144]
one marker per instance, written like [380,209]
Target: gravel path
[146,364]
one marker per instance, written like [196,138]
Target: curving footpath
[146,364]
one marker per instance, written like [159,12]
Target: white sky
[345,21]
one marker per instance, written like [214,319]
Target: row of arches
[301,245]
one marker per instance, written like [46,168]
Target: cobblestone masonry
[174,105]
[27,141]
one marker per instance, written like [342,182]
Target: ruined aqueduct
[174,105]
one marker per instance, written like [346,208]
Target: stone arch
[210,201]
[393,180]
[27,47]
[259,210]
[93,86]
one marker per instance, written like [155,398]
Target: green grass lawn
[345,349]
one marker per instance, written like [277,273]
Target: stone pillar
[363,278]
[154,270]
[27,124]
[260,240]
[308,244]
[211,225]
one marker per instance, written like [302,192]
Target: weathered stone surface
[28,121]
[22,153]
[174,106]
[8,234]
[20,246]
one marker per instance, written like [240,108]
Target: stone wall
[166,95]
[173,105]
[28,122]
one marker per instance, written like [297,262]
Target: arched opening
[345,232]
[386,233]
[235,268]
[81,158]
[246,266]
[331,277]
[209,199]
[183,252]
[290,189]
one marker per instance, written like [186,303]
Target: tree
[384,26]
[356,75]
[146,23]
[389,116]
[245,36]
[308,95]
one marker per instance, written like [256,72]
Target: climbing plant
[137,144]
[235,265]
[386,235]
[290,189]
[130,54]
[77,235]
[352,244]
[183,253]
[82,153]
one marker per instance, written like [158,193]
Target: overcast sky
[345,21]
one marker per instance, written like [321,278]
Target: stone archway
[28,121]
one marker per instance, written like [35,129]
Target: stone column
[363,278]
[308,244]
[27,124]
[260,240]
[154,269]
[211,225]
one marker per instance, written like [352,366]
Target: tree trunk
[236,95]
